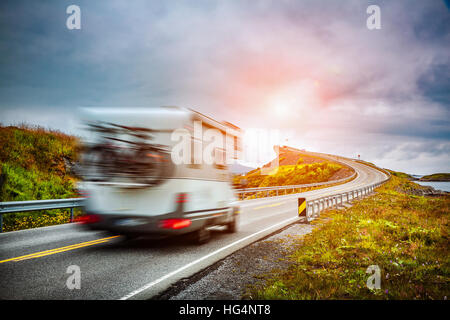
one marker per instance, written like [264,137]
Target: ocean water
[444,185]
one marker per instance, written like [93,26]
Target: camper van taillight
[88,218]
[175,223]
[182,198]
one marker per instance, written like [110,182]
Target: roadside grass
[404,234]
[28,220]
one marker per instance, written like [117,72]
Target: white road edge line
[151,284]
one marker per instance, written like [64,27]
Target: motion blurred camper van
[145,173]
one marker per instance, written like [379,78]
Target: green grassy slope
[35,164]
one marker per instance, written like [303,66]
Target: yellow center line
[269,205]
[58,250]
[43,254]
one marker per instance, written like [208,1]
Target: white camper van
[144,172]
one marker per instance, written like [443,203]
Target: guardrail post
[71,214]
[1,223]
[309,212]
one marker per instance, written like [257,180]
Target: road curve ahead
[34,263]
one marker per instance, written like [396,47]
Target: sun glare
[281,110]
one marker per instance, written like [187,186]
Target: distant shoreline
[435,177]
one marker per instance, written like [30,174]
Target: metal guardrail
[314,207]
[286,188]
[34,205]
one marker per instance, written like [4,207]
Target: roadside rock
[427,191]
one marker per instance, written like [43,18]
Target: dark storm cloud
[235,60]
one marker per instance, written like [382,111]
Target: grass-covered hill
[36,163]
[436,177]
[294,168]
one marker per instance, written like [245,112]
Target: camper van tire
[232,225]
[129,237]
[202,235]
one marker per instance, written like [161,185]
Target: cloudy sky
[310,68]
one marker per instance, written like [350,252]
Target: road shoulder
[230,277]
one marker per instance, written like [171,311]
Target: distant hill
[237,168]
[436,177]
[294,168]
[403,175]
[290,156]
[35,163]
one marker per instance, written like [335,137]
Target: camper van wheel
[202,235]
[232,225]
[129,237]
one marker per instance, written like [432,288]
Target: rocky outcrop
[427,191]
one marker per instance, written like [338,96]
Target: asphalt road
[33,263]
